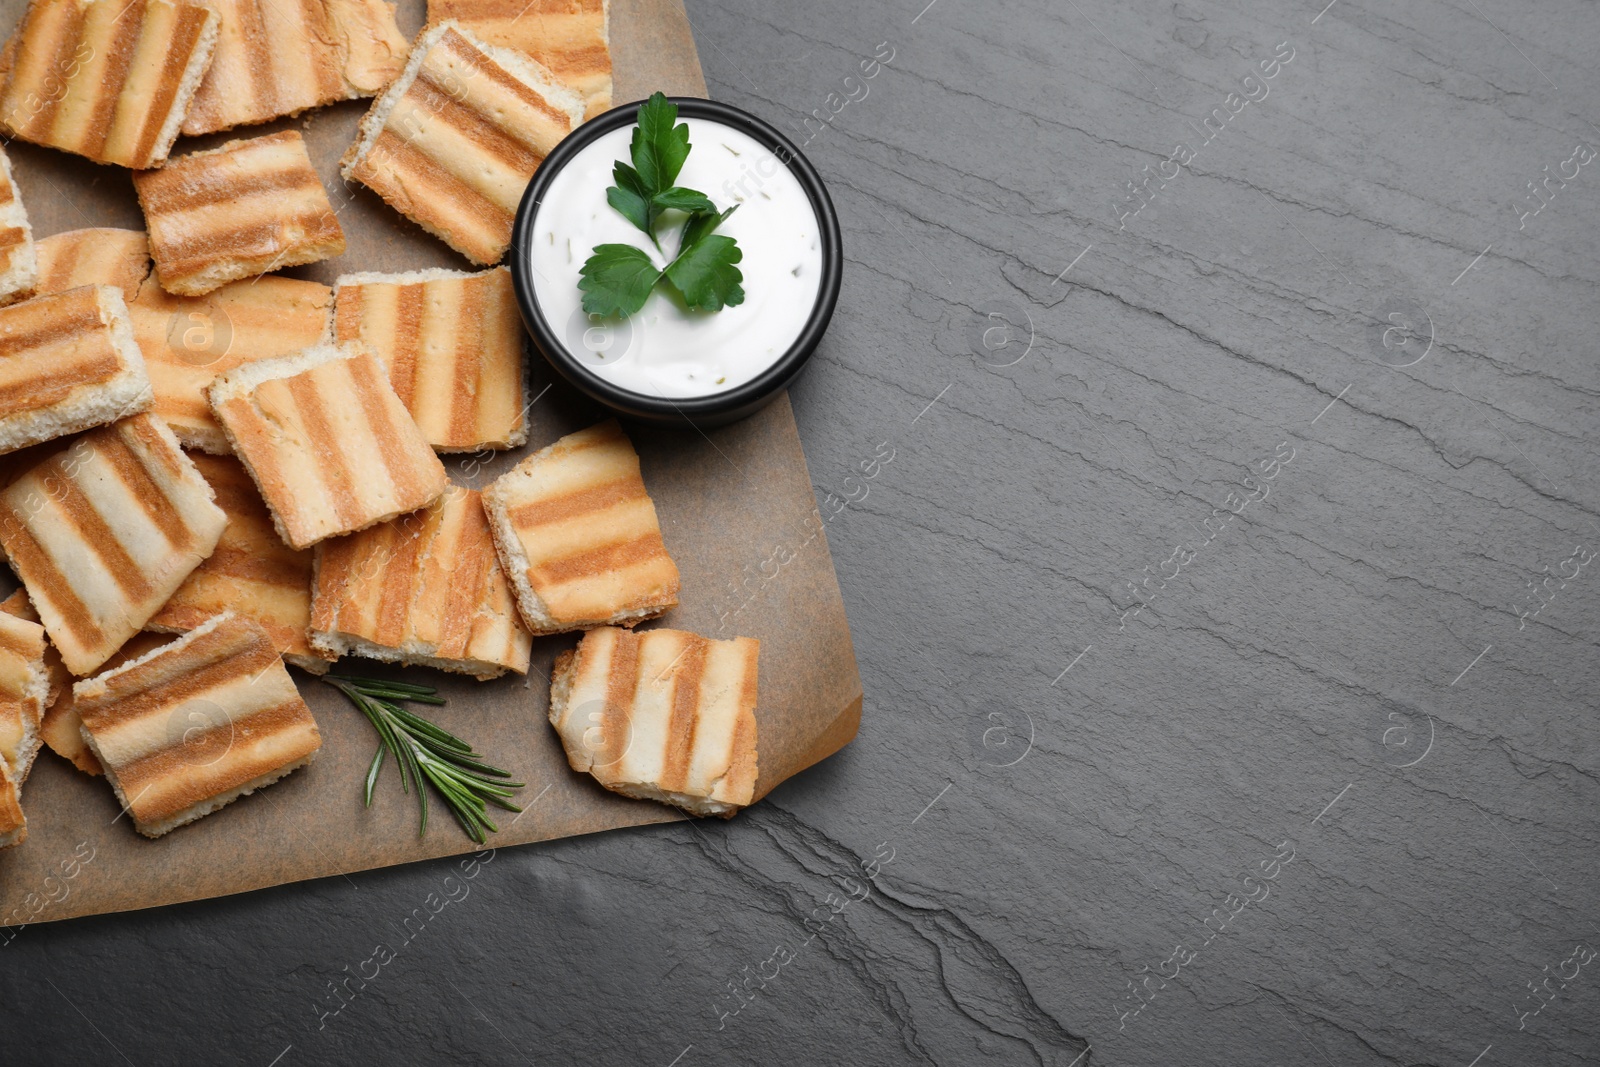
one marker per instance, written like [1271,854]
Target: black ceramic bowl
[700,411]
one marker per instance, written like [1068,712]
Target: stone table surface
[1226,610]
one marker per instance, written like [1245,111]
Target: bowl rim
[750,394]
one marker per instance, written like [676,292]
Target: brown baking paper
[737,513]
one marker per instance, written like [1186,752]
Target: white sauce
[664,349]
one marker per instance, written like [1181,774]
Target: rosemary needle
[426,752]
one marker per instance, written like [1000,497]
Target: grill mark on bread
[186,34]
[147,491]
[33,562]
[96,576]
[163,781]
[602,560]
[54,325]
[685,675]
[368,386]
[409,309]
[335,472]
[577,503]
[616,715]
[468,360]
[127,29]
[43,119]
[192,192]
[32,395]
[100,539]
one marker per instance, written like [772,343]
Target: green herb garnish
[617,279]
[426,751]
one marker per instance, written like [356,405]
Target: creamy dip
[664,349]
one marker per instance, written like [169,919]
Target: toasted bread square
[103,531]
[425,588]
[99,255]
[275,58]
[571,38]
[251,206]
[24,691]
[106,79]
[68,361]
[578,535]
[452,142]
[453,344]
[252,572]
[327,441]
[196,724]
[661,715]
[13,824]
[19,267]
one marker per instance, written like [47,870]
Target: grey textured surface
[1349,670]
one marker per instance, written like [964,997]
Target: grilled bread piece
[187,341]
[452,142]
[104,531]
[19,267]
[578,535]
[661,715]
[196,724]
[96,256]
[425,588]
[327,441]
[24,691]
[107,79]
[68,361]
[251,206]
[252,572]
[570,37]
[13,824]
[453,345]
[278,58]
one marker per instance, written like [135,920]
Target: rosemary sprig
[427,752]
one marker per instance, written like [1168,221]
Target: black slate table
[1208,433]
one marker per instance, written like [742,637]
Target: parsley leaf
[617,280]
[659,146]
[690,200]
[705,273]
[630,197]
[700,225]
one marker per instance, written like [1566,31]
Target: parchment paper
[737,514]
